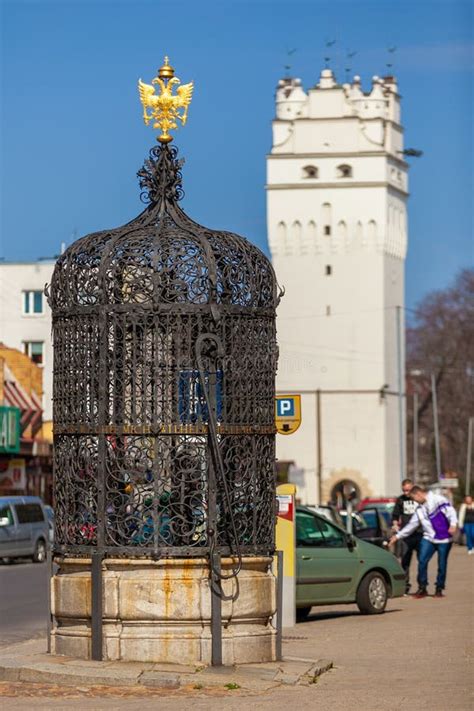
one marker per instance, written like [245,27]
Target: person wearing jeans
[425,554]
[439,523]
[402,512]
[466,522]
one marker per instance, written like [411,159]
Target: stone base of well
[160,611]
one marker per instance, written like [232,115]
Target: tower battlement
[328,99]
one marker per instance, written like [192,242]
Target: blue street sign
[191,404]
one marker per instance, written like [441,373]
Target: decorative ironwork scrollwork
[162,449]
[160,177]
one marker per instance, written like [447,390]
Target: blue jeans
[469,531]
[425,554]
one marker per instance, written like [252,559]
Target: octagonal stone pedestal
[160,611]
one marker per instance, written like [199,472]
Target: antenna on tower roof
[348,69]
[328,45]
[289,53]
[391,51]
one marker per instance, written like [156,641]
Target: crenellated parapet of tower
[336,178]
[348,99]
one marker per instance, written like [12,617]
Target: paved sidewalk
[418,655]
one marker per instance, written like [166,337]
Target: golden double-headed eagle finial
[165,108]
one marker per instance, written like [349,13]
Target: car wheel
[302,613]
[372,594]
[39,555]
[7,561]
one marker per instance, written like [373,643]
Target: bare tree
[440,340]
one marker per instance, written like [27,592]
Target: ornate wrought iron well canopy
[164,366]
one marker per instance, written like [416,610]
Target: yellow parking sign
[287,413]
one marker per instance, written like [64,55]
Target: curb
[251,677]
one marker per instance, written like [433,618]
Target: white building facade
[337,189]
[25,317]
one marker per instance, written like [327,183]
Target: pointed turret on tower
[327,79]
[290,97]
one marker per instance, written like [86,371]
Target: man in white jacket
[439,522]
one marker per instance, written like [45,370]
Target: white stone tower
[337,188]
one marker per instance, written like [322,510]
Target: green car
[334,568]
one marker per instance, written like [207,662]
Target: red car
[377,502]
[384,504]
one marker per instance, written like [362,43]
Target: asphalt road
[23,601]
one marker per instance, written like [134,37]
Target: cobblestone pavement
[416,656]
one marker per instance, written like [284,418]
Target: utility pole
[401,432]
[435,423]
[415,437]
[470,427]
[319,462]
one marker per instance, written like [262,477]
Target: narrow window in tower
[342,229]
[310,171]
[328,269]
[328,310]
[372,231]
[281,231]
[311,231]
[282,238]
[296,231]
[344,171]
[326,217]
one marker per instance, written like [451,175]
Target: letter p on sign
[285,408]
[287,413]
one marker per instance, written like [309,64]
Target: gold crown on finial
[165,108]
[166,71]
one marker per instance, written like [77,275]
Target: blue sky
[73,138]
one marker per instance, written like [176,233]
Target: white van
[24,528]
